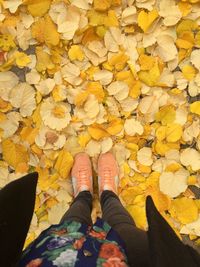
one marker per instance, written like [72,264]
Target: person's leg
[80,209]
[120,220]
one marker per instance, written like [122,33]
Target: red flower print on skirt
[114,262]
[79,243]
[108,251]
[35,263]
[100,235]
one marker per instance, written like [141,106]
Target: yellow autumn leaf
[142,168]
[118,61]
[38,8]
[173,167]
[184,210]
[139,215]
[97,131]
[35,149]
[192,180]
[102,5]
[14,154]
[166,115]
[28,134]
[75,53]
[126,76]
[96,89]
[186,40]
[191,1]
[135,90]
[89,35]
[115,126]
[150,77]
[4,106]
[186,25]
[116,3]
[30,238]
[197,39]
[152,179]
[22,167]
[37,117]
[185,8]
[161,147]
[161,201]
[132,146]
[99,18]
[126,168]
[81,98]
[51,202]
[44,30]
[146,19]
[64,163]
[83,139]
[129,194]
[111,19]
[173,132]
[189,72]
[101,31]
[7,42]
[146,62]
[44,61]
[44,180]
[21,59]
[195,107]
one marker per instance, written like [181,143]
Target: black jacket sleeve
[166,249]
[17,200]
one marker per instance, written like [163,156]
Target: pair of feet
[108,173]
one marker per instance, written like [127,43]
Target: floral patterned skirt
[72,244]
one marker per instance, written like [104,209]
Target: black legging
[118,218]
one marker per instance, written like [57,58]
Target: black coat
[17,201]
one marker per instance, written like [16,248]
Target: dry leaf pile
[95,76]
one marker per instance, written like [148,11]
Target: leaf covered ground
[98,76]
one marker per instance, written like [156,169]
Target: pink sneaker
[82,174]
[108,173]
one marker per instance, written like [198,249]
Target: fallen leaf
[144,156]
[97,132]
[184,210]
[54,115]
[22,60]
[146,19]
[173,132]
[104,76]
[166,48]
[64,163]
[139,215]
[22,96]
[14,154]
[44,31]
[190,157]
[8,80]
[132,127]
[173,184]
[12,5]
[71,74]
[38,8]
[106,145]
[45,86]
[76,53]
[119,90]
[195,107]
